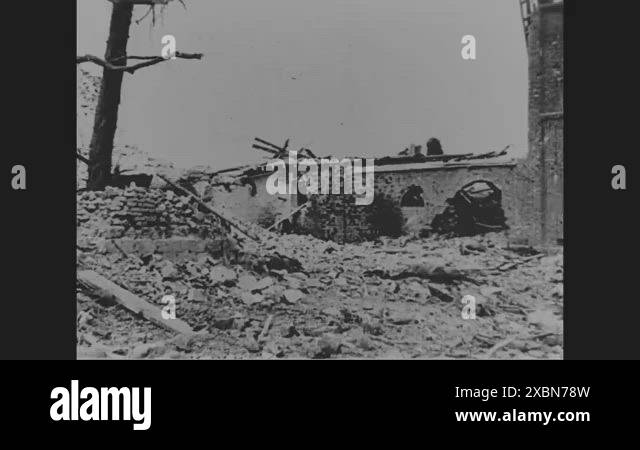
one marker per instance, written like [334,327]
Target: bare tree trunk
[106,116]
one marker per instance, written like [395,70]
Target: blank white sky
[371,77]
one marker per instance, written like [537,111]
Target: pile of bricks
[140,213]
[337,218]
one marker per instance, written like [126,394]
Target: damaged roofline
[414,167]
[430,166]
[389,163]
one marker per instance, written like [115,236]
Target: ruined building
[531,189]
[421,183]
[418,189]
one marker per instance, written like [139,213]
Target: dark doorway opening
[413,197]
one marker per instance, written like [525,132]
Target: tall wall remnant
[543,21]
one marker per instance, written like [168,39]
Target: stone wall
[149,215]
[142,222]
[545,163]
[336,218]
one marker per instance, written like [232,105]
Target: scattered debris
[222,275]
[475,208]
[292,296]
[133,303]
[300,297]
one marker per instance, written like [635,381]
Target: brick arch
[480,180]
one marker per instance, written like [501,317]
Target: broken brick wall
[143,221]
[336,218]
[544,164]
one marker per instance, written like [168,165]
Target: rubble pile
[138,212]
[299,297]
[204,175]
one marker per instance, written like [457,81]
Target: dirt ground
[392,299]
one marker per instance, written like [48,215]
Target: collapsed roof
[400,162]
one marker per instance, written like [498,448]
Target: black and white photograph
[337,179]
[441,188]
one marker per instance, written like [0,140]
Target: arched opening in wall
[475,208]
[253,188]
[385,217]
[413,197]
[413,211]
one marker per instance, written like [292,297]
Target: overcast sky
[341,77]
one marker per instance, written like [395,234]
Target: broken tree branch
[269,144]
[147,61]
[149,11]
[265,149]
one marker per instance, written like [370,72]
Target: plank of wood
[132,302]
[276,147]
[265,149]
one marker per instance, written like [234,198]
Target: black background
[38,275]
[38,282]
[234,403]
[602,307]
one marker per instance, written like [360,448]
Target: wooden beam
[268,150]
[132,302]
[262,141]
